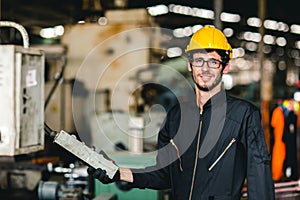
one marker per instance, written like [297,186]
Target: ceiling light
[102,21]
[238,52]
[185,10]
[158,10]
[81,22]
[204,13]
[59,30]
[267,49]
[269,39]
[254,21]
[174,52]
[187,31]
[178,32]
[282,65]
[297,62]
[196,28]
[297,44]
[281,41]
[271,24]
[196,12]
[228,32]
[250,36]
[283,27]
[52,32]
[47,33]
[229,17]
[251,46]
[295,28]
[295,53]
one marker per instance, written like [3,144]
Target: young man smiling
[209,147]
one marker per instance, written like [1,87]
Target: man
[209,147]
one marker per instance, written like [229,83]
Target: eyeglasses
[211,63]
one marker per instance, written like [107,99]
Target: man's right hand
[102,176]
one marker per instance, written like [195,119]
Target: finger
[90,170]
[99,173]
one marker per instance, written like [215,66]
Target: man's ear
[189,66]
[226,68]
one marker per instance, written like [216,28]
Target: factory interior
[80,76]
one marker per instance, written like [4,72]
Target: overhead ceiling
[34,14]
[54,12]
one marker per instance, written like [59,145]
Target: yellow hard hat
[209,37]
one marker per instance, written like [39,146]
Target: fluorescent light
[281,41]
[271,24]
[102,21]
[52,32]
[228,32]
[203,13]
[297,44]
[229,17]
[158,10]
[178,33]
[196,12]
[238,52]
[283,27]
[47,33]
[295,28]
[251,46]
[59,30]
[81,22]
[254,21]
[196,28]
[269,39]
[250,36]
[188,31]
[174,52]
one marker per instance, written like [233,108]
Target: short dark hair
[223,54]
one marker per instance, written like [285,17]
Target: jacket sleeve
[158,176]
[259,178]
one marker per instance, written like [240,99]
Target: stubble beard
[209,88]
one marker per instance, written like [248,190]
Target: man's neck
[203,96]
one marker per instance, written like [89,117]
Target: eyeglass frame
[206,61]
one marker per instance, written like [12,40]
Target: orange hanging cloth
[279,151]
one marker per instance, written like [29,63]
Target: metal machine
[22,127]
[22,97]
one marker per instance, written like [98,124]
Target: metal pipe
[218,7]
[19,28]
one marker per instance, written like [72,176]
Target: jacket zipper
[178,154]
[196,157]
[222,154]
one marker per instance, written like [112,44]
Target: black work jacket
[232,150]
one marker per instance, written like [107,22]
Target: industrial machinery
[22,97]
[22,127]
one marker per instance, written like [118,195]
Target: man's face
[206,78]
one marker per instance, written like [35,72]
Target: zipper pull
[200,112]
[177,152]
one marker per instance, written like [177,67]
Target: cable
[49,131]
